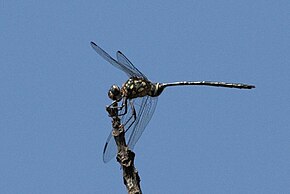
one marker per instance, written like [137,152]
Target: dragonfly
[141,95]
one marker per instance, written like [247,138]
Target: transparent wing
[110,149]
[144,108]
[144,115]
[125,61]
[127,69]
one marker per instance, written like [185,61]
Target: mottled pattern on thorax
[136,87]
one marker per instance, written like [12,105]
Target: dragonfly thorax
[137,87]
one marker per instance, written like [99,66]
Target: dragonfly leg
[113,109]
[133,115]
[124,104]
[112,105]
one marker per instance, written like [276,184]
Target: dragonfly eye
[115,93]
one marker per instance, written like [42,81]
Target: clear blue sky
[53,91]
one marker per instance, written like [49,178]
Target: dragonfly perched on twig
[142,97]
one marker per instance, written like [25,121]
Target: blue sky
[200,140]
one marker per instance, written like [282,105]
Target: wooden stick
[125,156]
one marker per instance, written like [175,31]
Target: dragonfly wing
[129,71]
[110,149]
[144,115]
[126,62]
[144,108]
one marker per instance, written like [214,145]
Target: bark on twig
[125,156]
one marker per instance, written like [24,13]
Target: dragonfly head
[115,93]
